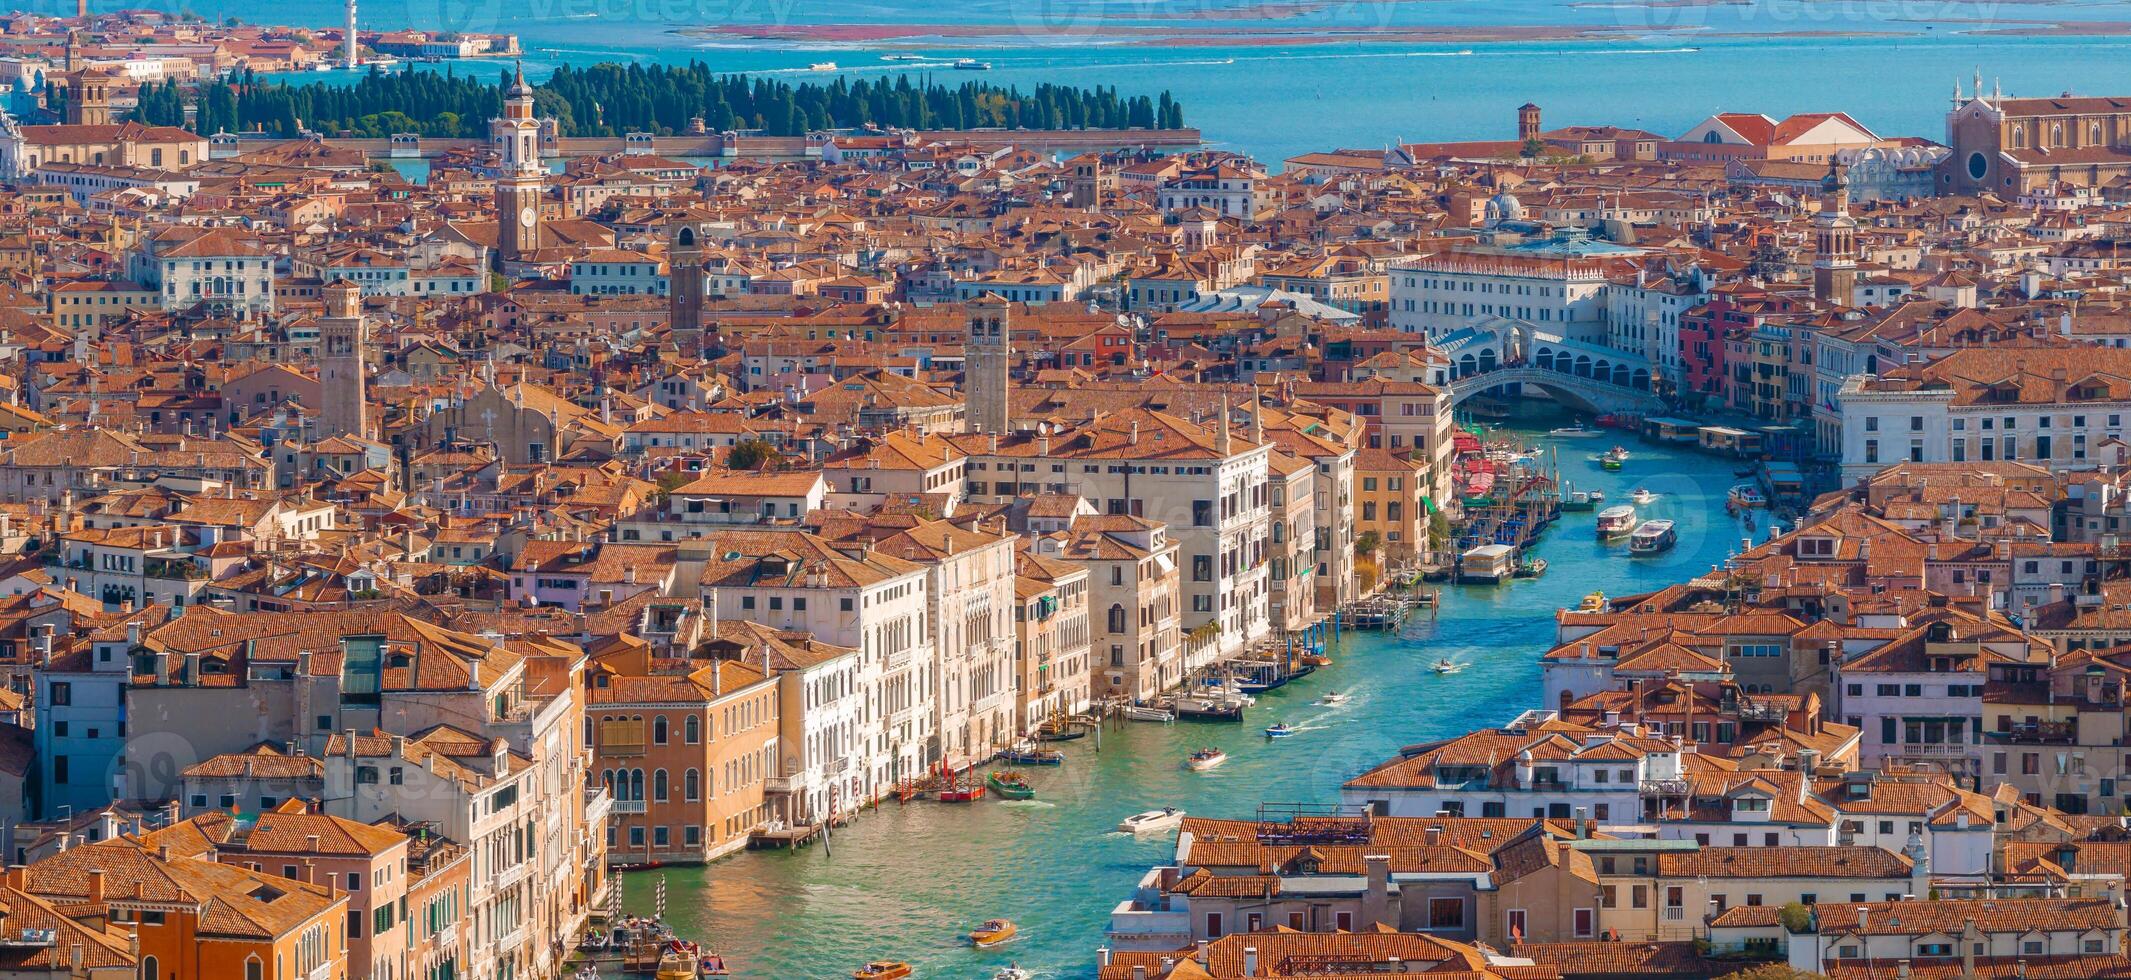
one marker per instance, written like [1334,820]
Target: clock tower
[519,173]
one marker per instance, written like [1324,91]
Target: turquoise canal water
[907,881]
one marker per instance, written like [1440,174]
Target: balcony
[513,874]
[1939,750]
[777,784]
[2038,732]
[511,941]
[1662,787]
[629,806]
[1762,711]
[598,803]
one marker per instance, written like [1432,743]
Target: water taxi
[1612,458]
[1577,431]
[1012,971]
[992,933]
[1205,759]
[1745,495]
[822,66]
[1582,500]
[1653,538]
[902,57]
[1148,712]
[882,970]
[1279,730]
[1531,568]
[1642,496]
[971,64]
[1151,821]
[1332,698]
[1314,660]
[1010,785]
[1029,755]
[1448,666]
[1616,522]
[1595,602]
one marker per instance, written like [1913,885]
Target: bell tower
[520,176]
[685,292]
[1835,240]
[987,346]
[342,336]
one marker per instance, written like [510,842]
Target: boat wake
[1029,804]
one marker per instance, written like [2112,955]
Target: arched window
[658,785]
[148,968]
[253,968]
[636,784]
[692,786]
[691,729]
[1117,618]
[658,730]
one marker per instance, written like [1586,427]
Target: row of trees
[609,100]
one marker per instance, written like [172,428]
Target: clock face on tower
[526,216]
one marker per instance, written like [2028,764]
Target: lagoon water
[907,881]
[1278,79]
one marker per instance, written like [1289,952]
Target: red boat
[958,790]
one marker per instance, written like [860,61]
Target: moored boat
[1581,500]
[1745,495]
[1595,602]
[963,788]
[1314,660]
[992,933]
[1029,755]
[1051,731]
[1617,521]
[1531,568]
[1488,563]
[882,970]
[1010,785]
[1653,538]
[1205,759]
[1150,821]
[1148,712]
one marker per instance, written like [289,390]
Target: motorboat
[822,66]
[1745,495]
[1010,785]
[1148,712]
[1653,538]
[1611,459]
[1205,759]
[1531,568]
[1029,755]
[1012,971]
[1447,666]
[1595,602]
[1332,698]
[902,57]
[1151,821]
[1577,431]
[971,64]
[1642,496]
[1616,522]
[1279,730]
[1581,500]
[993,932]
[882,970]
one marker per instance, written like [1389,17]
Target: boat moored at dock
[1488,563]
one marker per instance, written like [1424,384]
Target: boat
[1598,496]
[1577,431]
[1531,568]
[1489,563]
[1151,821]
[1745,495]
[1012,971]
[1334,698]
[1058,732]
[1313,660]
[961,789]
[1745,470]
[1653,538]
[902,57]
[1616,522]
[1279,730]
[822,66]
[1205,759]
[882,970]
[1029,755]
[1447,666]
[1612,459]
[1642,496]
[992,933]
[1010,785]
[1148,712]
[971,64]
[1581,500]
[1595,602]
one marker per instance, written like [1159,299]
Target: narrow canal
[906,882]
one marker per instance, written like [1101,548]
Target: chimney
[1970,938]
[310,844]
[96,886]
[1139,971]
[1200,954]
[1376,901]
[1435,836]
[1250,961]
[1102,956]
[1864,918]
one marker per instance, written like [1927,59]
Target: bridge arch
[1544,358]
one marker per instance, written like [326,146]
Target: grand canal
[906,881]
